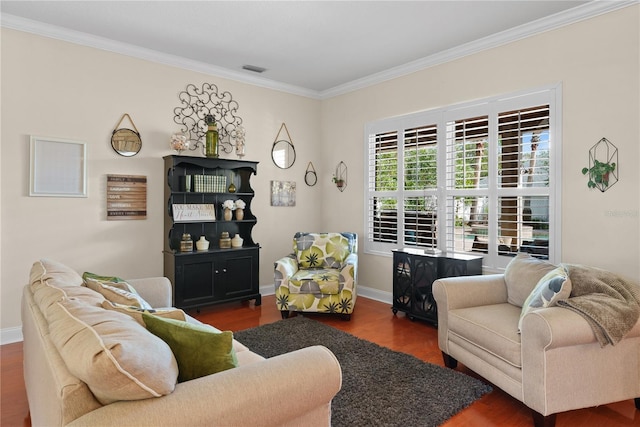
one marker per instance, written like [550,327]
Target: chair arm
[284,268]
[554,327]
[564,367]
[247,395]
[349,268]
[469,291]
[157,291]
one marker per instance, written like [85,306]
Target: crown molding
[51,31]
[580,13]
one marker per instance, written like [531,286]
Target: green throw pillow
[198,350]
[100,278]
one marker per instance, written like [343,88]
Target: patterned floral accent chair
[319,276]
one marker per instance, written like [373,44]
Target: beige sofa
[555,364]
[250,394]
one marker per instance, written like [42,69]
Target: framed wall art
[283,193]
[58,167]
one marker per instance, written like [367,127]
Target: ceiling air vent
[254,68]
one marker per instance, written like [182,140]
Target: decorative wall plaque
[126,197]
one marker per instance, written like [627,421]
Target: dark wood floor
[372,321]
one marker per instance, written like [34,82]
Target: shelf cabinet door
[236,274]
[402,282]
[194,280]
[425,272]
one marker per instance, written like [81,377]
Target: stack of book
[209,184]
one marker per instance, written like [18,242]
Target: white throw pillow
[553,286]
[116,357]
[118,292]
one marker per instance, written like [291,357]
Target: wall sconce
[340,177]
[196,104]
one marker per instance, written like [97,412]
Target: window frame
[492,107]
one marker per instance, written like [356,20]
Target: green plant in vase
[599,174]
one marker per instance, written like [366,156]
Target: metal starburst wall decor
[197,103]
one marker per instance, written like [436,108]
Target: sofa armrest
[247,395]
[469,291]
[157,291]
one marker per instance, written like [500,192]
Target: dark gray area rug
[380,387]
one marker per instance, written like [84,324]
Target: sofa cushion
[198,350]
[116,357]
[553,286]
[136,312]
[522,274]
[52,281]
[320,280]
[118,292]
[491,328]
[57,274]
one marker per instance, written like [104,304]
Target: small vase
[239,214]
[186,244]
[227,214]
[225,241]
[236,242]
[202,244]
[211,138]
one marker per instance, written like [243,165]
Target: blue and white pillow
[553,286]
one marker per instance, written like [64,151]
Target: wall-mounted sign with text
[126,197]
[191,212]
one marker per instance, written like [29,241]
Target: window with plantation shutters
[402,182]
[481,177]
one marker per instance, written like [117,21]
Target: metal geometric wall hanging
[603,165]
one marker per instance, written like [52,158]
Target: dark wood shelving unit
[217,275]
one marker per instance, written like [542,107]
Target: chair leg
[284,314]
[540,420]
[637,400]
[449,361]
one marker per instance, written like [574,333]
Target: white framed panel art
[58,167]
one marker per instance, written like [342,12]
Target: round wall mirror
[283,154]
[126,142]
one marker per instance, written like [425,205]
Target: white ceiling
[313,48]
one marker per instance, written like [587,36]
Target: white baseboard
[268,290]
[375,294]
[10,335]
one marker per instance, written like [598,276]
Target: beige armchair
[554,364]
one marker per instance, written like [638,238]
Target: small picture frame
[58,167]
[283,193]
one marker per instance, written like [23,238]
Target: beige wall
[597,63]
[57,89]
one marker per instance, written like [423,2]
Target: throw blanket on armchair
[607,301]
